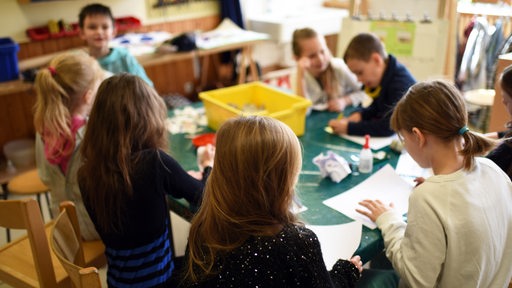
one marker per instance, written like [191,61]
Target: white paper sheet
[338,241]
[409,170]
[227,33]
[376,143]
[384,185]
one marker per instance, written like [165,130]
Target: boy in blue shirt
[384,79]
[97,28]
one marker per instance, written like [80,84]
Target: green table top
[312,189]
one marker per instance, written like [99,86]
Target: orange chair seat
[27,183]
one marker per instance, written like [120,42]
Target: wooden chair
[27,184]
[27,262]
[65,241]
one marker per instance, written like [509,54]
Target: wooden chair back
[65,241]
[15,267]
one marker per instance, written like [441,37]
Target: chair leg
[38,196]
[48,204]
[5,195]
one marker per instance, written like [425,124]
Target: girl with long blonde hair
[244,234]
[321,78]
[65,94]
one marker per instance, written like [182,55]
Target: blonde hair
[128,116]
[249,192]
[328,77]
[60,88]
[437,108]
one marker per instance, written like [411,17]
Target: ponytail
[52,117]
[438,108]
[60,88]
[474,145]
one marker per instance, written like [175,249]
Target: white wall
[415,8]
[295,13]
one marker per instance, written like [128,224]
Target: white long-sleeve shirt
[347,84]
[459,231]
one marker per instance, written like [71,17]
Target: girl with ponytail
[65,93]
[459,227]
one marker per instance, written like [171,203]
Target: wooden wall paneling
[156,74]
[211,73]
[170,77]
[66,43]
[50,46]
[30,49]
[332,43]
[16,116]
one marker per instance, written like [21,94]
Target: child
[126,178]
[324,80]
[502,155]
[65,93]
[244,233]
[97,28]
[384,79]
[459,228]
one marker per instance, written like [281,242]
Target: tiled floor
[180,233]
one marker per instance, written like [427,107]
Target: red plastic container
[126,23]
[42,32]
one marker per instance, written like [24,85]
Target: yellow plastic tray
[222,104]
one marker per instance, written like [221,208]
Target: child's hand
[419,181]
[376,208]
[196,174]
[356,260]
[205,155]
[355,117]
[336,105]
[339,126]
[304,63]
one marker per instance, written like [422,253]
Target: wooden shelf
[342,4]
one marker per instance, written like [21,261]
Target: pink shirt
[54,153]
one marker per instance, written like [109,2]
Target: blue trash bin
[8,60]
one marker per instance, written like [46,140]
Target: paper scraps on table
[188,120]
[332,165]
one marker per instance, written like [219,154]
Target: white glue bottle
[366,157]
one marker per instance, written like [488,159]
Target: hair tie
[463,130]
[52,70]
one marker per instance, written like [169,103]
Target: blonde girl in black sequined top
[244,234]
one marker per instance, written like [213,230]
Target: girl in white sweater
[321,78]
[459,230]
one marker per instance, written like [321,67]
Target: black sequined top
[292,258]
